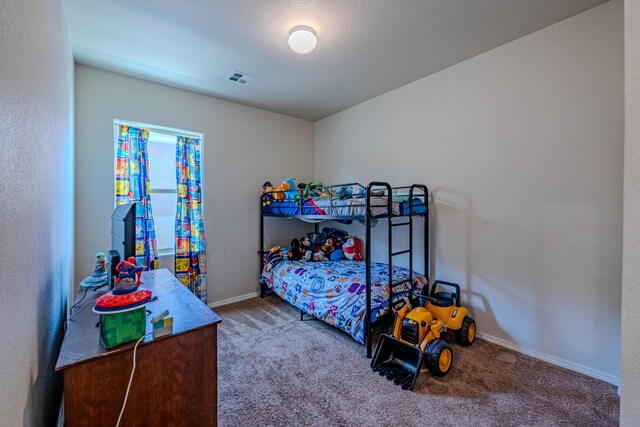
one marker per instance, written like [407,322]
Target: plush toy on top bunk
[306,191]
[271,193]
[288,186]
[267,193]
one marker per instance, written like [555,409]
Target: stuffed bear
[278,193]
[352,249]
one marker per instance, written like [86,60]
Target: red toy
[128,269]
[352,249]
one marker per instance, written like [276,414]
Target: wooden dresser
[175,383]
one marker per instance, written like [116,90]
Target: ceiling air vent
[240,78]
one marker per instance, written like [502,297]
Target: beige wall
[630,384]
[36,231]
[523,149]
[242,148]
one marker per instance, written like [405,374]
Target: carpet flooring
[275,370]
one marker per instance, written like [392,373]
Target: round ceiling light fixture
[302,39]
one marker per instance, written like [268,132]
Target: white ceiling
[365,47]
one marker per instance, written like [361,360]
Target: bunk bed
[354,296]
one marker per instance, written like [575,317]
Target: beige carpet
[275,370]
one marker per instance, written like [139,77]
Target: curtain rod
[160,129]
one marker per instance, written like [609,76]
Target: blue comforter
[335,291]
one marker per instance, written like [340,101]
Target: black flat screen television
[123,235]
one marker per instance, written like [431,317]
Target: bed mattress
[335,291]
[346,208]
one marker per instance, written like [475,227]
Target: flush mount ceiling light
[302,39]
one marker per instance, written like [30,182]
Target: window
[161,156]
[162,179]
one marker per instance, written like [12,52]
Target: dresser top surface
[81,340]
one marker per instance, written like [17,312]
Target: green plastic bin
[119,328]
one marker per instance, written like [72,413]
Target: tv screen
[123,230]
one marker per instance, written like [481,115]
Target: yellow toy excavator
[417,336]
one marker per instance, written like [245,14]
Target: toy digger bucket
[397,361]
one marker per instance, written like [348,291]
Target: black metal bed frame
[418,191]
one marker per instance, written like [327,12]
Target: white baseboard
[239,298]
[554,360]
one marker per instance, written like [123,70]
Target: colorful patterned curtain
[189,240]
[132,185]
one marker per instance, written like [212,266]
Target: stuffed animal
[352,249]
[272,257]
[317,256]
[278,193]
[289,188]
[305,245]
[338,236]
[317,240]
[337,255]
[360,192]
[267,193]
[343,192]
[327,247]
[296,253]
[307,190]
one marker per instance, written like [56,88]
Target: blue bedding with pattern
[335,291]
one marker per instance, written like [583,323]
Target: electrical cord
[77,312]
[71,315]
[86,290]
[133,370]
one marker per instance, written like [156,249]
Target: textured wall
[242,148]
[630,387]
[523,149]
[36,82]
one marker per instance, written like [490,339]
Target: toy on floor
[417,336]
[100,275]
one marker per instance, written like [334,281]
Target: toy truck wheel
[439,358]
[466,335]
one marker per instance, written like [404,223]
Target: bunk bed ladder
[369,220]
[425,190]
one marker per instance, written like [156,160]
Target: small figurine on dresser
[99,277]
